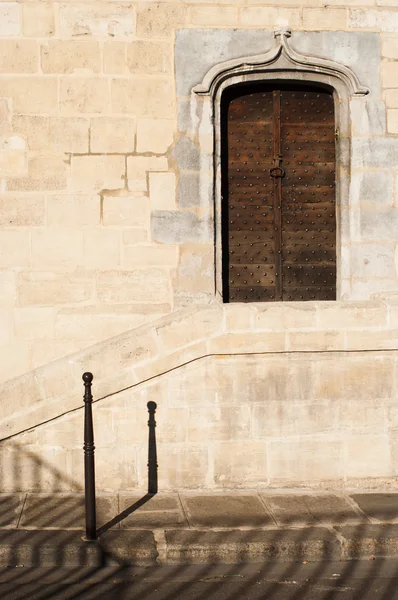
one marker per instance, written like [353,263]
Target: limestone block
[280,316]
[162,191]
[218,423]
[186,467]
[70,56]
[34,323]
[141,285]
[155,135]
[370,188]
[38,19]
[31,95]
[389,74]
[137,168]
[240,464]
[306,460]
[340,379]
[127,211]
[40,288]
[84,95]
[270,17]
[187,154]
[10,16]
[134,236]
[189,190]
[115,57]
[358,416]
[91,324]
[316,341]
[372,340]
[368,456]
[392,120]
[376,153]
[102,249]
[6,326]
[368,118]
[279,418]
[97,172]
[380,225]
[112,135]
[14,248]
[45,351]
[18,56]
[238,317]
[248,342]
[391,98]
[332,18]
[106,19]
[44,173]
[5,117]
[58,134]
[351,315]
[174,333]
[22,210]
[57,248]
[175,227]
[389,46]
[149,57]
[150,256]
[73,210]
[159,20]
[383,20]
[214,15]
[195,272]
[8,288]
[374,260]
[143,97]
[15,360]
[13,161]
[34,468]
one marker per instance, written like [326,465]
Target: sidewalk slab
[64,511]
[230,511]
[157,512]
[381,507]
[10,509]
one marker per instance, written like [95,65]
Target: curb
[62,548]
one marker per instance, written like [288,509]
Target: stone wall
[247,397]
[101,229]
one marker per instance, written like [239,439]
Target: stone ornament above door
[281,58]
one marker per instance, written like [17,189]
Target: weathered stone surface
[173,227]
[187,155]
[372,188]
[153,512]
[10,15]
[11,509]
[368,117]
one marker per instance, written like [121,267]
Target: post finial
[87,377]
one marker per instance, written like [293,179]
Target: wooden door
[278,188]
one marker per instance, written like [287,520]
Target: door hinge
[337,134]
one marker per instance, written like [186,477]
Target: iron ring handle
[277,172]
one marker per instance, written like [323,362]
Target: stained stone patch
[187,155]
[173,227]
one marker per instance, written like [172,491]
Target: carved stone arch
[282,63]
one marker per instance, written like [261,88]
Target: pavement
[47,530]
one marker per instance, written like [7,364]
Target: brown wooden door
[278,208]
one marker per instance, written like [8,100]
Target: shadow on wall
[28,539]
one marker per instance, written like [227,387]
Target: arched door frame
[283,64]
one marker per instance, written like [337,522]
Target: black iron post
[152,452]
[89,469]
